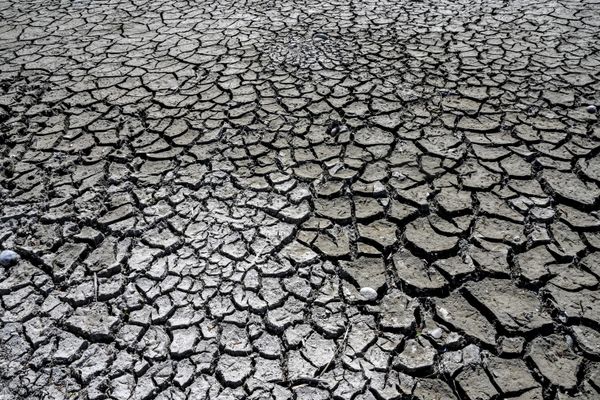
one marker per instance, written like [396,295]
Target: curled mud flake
[321,36]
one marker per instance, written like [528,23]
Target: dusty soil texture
[300,199]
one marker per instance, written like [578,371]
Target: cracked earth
[285,199]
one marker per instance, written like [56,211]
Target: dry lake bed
[309,200]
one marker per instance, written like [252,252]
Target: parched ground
[279,199]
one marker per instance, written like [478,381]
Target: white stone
[436,333]
[368,293]
[8,258]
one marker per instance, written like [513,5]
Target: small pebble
[368,293]
[592,109]
[8,258]
[569,341]
[562,318]
[443,312]
[436,333]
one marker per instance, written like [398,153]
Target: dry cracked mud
[285,199]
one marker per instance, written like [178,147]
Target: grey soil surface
[290,199]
